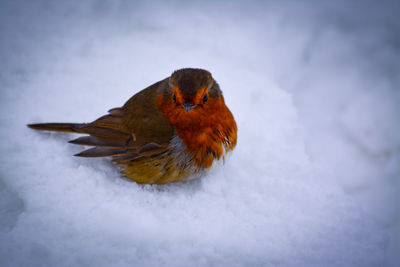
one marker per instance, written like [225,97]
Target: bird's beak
[188,106]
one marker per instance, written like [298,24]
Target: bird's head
[192,88]
[191,97]
[193,102]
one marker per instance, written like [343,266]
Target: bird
[171,131]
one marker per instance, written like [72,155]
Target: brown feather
[106,134]
[152,149]
[149,147]
[154,152]
[58,127]
[127,157]
[146,151]
[108,121]
[94,141]
[100,152]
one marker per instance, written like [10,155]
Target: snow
[314,180]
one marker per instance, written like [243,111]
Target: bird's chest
[198,147]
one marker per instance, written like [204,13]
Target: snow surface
[314,180]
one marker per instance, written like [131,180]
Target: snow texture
[313,85]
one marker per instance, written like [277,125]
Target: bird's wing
[137,129]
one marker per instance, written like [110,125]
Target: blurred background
[314,87]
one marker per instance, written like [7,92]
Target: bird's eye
[174,98]
[205,98]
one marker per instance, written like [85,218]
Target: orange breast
[208,131]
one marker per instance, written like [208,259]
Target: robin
[171,131]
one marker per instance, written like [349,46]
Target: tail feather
[58,127]
[101,152]
[94,141]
